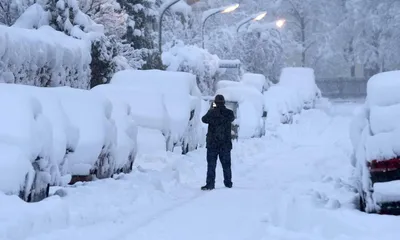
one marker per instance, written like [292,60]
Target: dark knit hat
[219,100]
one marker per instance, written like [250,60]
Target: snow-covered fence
[343,87]
[375,134]
[52,135]
[43,57]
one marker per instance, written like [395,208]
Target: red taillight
[384,165]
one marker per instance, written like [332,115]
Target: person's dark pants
[225,158]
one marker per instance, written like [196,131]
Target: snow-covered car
[375,133]
[248,105]
[302,80]
[64,134]
[126,145]
[90,113]
[258,81]
[174,95]
[25,142]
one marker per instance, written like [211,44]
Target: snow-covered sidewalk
[294,185]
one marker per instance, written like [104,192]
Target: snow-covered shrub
[176,100]
[374,133]
[64,134]
[192,59]
[91,114]
[25,140]
[126,145]
[43,57]
[302,80]
[250,108]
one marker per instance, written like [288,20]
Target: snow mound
[91,114]
[61,60]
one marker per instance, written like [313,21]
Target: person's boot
[207,188]
[228,184]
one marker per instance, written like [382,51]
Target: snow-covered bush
[26,167]
[91,114]
[126,145]
[250,108]
[374,133]
[192,59]
[64,134]
[175,100]
[302,80]
[43,57]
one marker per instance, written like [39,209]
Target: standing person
[219,143]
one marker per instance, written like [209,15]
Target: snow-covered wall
[43,57]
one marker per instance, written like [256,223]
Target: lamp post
[209,13]
[256,17]
[164,8]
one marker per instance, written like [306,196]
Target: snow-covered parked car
[26,166]
[174,95]
[248,105]
[64,134]
[90,113]
[258,81]
[126,145]
[302,80]
[281,104]
[375,133]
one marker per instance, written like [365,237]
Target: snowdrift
[43,57]
[256,80]
[374,133]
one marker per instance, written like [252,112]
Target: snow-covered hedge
[43,57]
[375,134]
[163,100]
[192,59]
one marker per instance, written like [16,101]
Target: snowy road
[293,186]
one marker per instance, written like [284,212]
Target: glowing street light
[207,14]
[280,23]
[231,8]
[256,17]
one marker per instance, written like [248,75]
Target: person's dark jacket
[219,120]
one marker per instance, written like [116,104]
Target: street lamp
[207,14]
[163,9]
[256,17]
[280,23]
